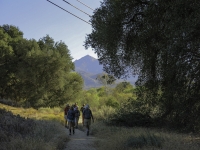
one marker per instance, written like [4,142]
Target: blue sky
[37,18]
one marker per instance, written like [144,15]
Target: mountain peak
[89,67]
[87,57]
[88,64]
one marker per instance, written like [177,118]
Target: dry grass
[120,138]
[45,134]
[40,114]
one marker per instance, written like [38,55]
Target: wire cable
[76,8]
[68,12]
[85,5]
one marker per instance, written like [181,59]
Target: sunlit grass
[40,114]
[50,135]
[46,132]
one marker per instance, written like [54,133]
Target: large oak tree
[158,40]
[36,73]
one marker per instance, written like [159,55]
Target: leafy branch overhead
[159,41]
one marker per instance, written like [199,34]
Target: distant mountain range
[89,68]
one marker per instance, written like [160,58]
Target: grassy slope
[28,129]
[51,135]
[118,138]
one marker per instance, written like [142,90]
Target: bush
[103,113]
[129,115]
[112,102]
[130,119]
[144,140]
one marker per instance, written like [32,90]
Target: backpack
[77,113]
[87,113]
[71,115]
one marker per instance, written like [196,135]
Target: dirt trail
[80,141]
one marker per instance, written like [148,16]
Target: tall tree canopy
[38,73]
[158,40]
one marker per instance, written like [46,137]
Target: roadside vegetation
[28,129]
[141,138]
[158,41]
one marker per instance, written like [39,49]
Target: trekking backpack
[87,113]
[70,114]
[77,113]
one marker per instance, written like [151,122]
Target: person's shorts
[65,117]
[87,122]
[71,122]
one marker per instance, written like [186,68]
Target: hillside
[89,68]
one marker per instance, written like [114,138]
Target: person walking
[77,115]
[71,119]
[75,105]
[87,115]
[82,109]
[65,115]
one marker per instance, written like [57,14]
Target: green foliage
[111,101]
[123,92]
[36,73]
[104,113]
[131,119]
[124,87]
[91,98]
[159,41]
[106,79]
[101,91]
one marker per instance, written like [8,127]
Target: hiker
[82,108]
[70,119]
[87,115]
[65,115]
[77,114]
[75,105]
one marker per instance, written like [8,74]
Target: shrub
[130,119]
[112,102]
[103,113]
[142,140]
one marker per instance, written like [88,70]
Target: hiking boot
[87,133]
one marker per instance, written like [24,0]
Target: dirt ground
[80,141]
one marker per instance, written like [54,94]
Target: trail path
[80,141]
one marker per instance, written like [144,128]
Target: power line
[76,7]
[85,5]
[68,12]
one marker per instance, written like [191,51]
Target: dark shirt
[82,109]
[66,110]
[71,115]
